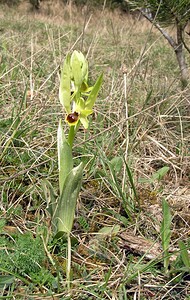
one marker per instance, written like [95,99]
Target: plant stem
[71,135]
[68,261]
[72,132]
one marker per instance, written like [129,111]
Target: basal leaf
[109,230]
[49,195]
[184,254]
[160,173]
[67,202]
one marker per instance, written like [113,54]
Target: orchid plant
[77,99]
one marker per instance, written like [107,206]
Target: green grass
[121,189]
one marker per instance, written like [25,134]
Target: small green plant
[180,267]
[20,256]
[110,170]
[157,176]
[166,232]
[77,99]
[184,254]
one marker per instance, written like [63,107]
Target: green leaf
[166,232]
[65,85]
[117,163]
[156,176]
[94,93]
[65,159]
[144,180]
[130,176]
[50,196]
[160,173]
[184,254]
[109,230]
[6,280]
[67,201]
[16,275]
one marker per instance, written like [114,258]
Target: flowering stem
[68,261]
[71,135]
[72,132]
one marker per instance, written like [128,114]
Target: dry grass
[156,134]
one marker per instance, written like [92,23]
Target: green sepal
[79,67]
[65,85]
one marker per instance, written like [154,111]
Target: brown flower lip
[72,117]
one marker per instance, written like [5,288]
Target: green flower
[75,95]
[80,113]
